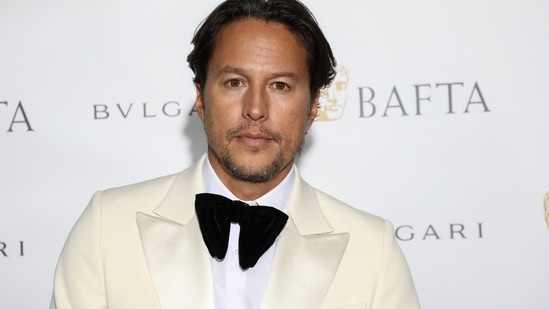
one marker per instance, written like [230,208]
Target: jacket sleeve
[78,279]
[395,288]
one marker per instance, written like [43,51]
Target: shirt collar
[277,197]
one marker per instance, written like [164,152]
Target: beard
[253,172]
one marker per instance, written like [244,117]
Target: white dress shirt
[235,288]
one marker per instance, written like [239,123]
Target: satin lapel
[303,269]
[307,255]
[178,262]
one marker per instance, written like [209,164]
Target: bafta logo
[546,204]
[334,97]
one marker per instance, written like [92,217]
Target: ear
[199,104]
[313,112]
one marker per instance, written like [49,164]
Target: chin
[253,168]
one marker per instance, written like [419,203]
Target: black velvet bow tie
[259,226]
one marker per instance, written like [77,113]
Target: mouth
[254,136]
[254,139]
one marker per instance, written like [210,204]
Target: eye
[234,83]
[280,86]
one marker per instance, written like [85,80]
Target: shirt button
[235,251]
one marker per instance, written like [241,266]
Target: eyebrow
[240,71]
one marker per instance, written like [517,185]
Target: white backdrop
[95,94]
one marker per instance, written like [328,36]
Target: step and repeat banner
[438,120]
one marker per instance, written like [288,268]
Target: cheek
[296,121]
[218,121]
[219,106]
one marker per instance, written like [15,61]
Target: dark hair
[291,13]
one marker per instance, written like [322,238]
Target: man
[259,67]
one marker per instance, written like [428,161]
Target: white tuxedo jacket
[140,247]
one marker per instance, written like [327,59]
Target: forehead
[254,42]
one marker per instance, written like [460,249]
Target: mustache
[265,132]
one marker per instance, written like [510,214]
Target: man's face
[255,104]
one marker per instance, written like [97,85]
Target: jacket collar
[303,204]
[178,204]
[178,261]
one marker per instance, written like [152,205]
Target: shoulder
[346,218]
[128,199]
[334,207]
[373,260]
[143,190]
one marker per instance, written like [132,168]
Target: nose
[256,105]
[331,94]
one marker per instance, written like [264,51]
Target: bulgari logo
[168,109]
[12,249]
[16,119]
[452,231]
